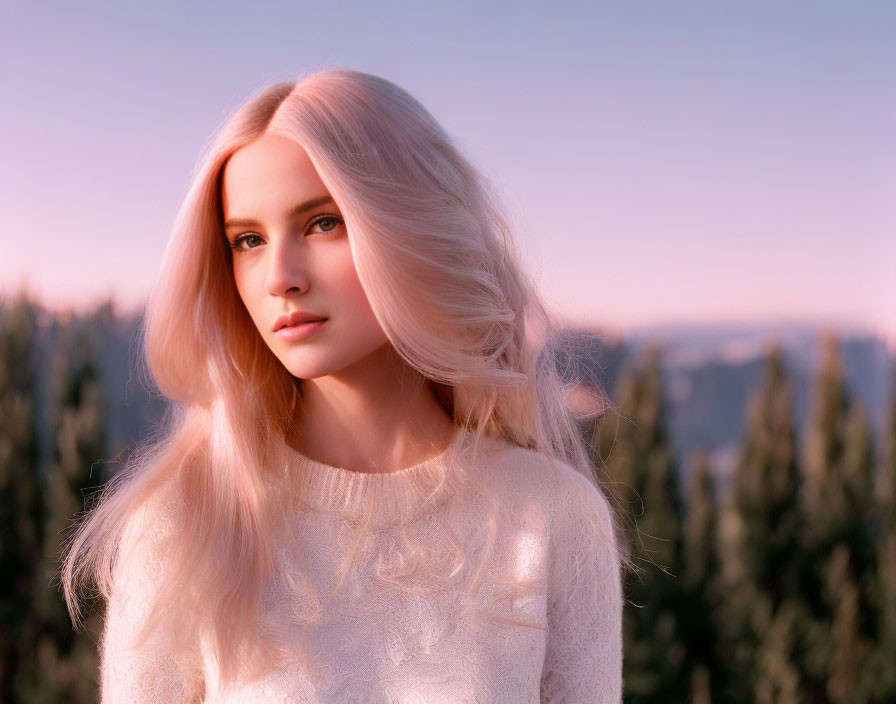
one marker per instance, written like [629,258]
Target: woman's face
[291,254]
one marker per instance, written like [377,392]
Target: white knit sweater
[541,621]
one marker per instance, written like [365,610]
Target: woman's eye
[236,245]
[328,223]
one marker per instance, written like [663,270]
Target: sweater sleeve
[129,675]
[583,659]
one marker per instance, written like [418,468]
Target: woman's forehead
[270,172]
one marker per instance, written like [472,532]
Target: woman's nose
[286,269]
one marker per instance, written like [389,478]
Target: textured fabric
[502,589]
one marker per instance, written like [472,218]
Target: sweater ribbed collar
[384,498]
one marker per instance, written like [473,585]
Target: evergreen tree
[851,649]
[886,494]
[766,487]
[881,670]
[20,492]
[776,679]
[763,550]
[839,502]
[65,669]
[633,446]
[702,596]
[701,554]
[840,486]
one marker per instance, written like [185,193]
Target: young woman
[369,486]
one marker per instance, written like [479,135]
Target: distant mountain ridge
[711,371]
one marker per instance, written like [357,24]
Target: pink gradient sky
[690,161]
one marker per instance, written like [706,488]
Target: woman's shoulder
[565,493]
[507,465]
[529,465]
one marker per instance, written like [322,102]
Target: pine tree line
[42,660]
[782,590]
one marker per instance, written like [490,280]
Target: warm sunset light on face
[291,253]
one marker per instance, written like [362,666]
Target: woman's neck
[376,419]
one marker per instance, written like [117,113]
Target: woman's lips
[291,333]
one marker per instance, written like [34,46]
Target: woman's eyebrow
[293,212]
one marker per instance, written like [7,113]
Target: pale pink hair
[437,261]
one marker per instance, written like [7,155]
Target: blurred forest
[780,589]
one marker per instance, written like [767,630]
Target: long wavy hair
[437,260]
